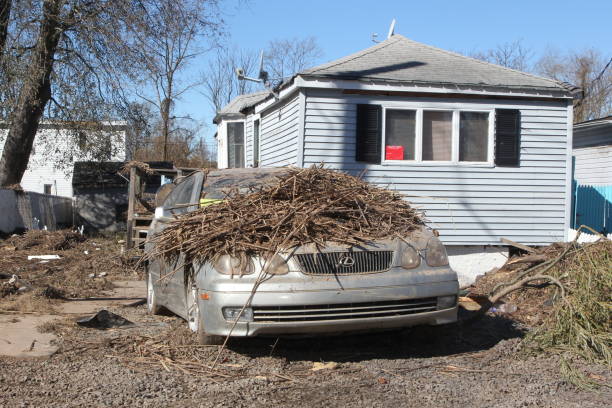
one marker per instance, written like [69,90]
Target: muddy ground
[155,362]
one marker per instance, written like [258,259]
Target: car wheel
[194,320]
[152,306]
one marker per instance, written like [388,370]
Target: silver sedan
[383,285]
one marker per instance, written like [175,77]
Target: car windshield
[218,183]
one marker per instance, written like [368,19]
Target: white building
[57,147]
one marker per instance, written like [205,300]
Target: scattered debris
[67,272]
[44,257]
[104,320]
[46,240]
[469,304]
[317,366]
[7,289]
[52,293]
[20,284]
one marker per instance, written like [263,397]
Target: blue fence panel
[593,207]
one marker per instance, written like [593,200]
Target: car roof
[219,182]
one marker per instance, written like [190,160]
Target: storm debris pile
[50,265]
[564,291]
[313,205]
[47,240]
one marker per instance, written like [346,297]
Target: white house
[484,150]
[58,146]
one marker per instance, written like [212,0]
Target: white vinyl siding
[467,203]
[279,130]
[593,165]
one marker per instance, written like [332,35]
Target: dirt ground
[155,362]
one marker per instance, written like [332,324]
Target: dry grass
[28,302]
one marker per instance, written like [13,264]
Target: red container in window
[394,152]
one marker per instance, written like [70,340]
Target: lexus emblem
[346,262]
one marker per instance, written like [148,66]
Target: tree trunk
[165,115]
[33,97]
[5,12]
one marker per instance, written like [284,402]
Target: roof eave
[559,92]
[227,116]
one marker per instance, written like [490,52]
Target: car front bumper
[329,310]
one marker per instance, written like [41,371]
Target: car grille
[329,263]
[343,311]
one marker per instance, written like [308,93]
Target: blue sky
[342,27]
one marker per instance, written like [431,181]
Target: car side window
[183,194]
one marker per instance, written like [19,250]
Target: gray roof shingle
[399,59]
[232,109]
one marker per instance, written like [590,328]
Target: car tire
[153,306]
[195,321]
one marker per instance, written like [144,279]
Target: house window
[437,135]
[235,144]
[47,188]
[400,135]
[473,136]
[256,143]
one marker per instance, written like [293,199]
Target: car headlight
[435,253]
[410,258]
[276,266]
[228,265]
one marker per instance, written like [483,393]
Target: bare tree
[220,83]
[283,58]
[141,121]
[185,147]
[68,60]
[589,70]
[5,12]
[513,55]
[166,55]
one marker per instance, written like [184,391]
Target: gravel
[476,366]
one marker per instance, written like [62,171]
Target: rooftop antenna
[374,36]
[391,29]
[262,76]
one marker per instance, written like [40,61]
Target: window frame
[455,127]
[256,150]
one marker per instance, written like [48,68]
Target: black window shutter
[369,133]
[507,137]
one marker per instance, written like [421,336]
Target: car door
[173,275]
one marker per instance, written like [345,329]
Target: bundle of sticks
[313,205]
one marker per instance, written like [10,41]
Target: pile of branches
[313,205]
[570,286]
[581,318]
